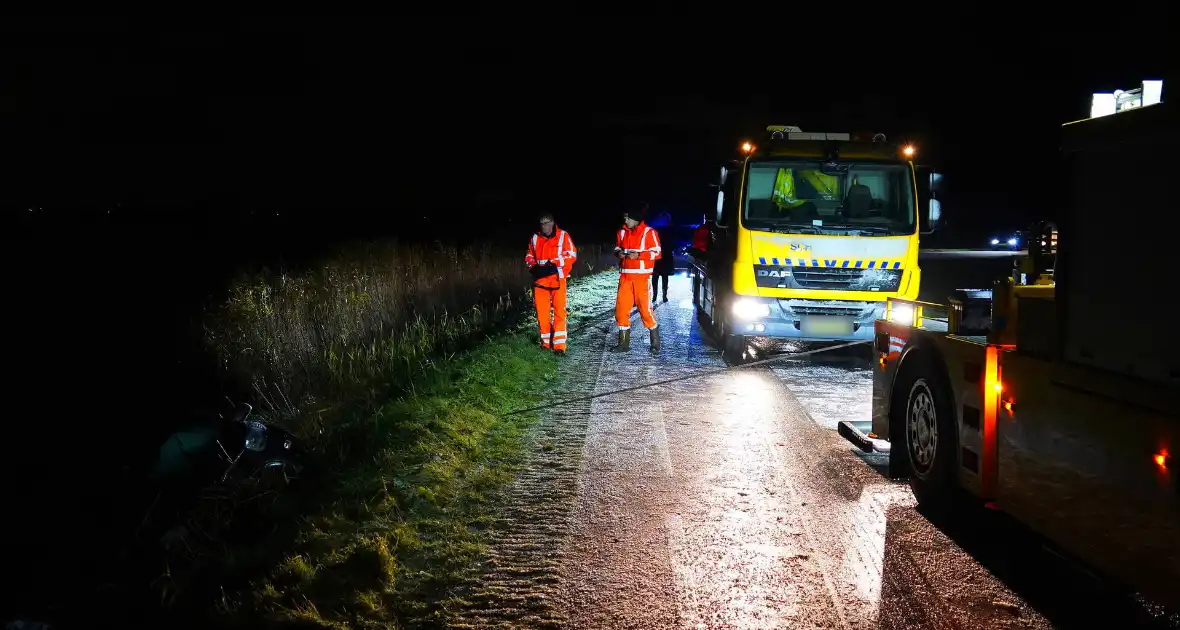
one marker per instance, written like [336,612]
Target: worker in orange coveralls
[638,248]
[550,258]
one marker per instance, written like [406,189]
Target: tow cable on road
[702,374]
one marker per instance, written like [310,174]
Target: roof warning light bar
[790,132]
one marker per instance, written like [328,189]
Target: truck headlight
[745,308]
[902,314]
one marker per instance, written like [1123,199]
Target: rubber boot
[655,339]
[624,342]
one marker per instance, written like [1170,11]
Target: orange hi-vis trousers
[634,291]
[553,333]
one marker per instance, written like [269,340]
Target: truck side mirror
[933,216]
[929,207]
[720,205]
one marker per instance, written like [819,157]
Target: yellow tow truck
[814,231]
[1051,396]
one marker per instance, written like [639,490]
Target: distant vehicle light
[1012,241]
[908,151]
[747,147]
[902,314]
[995,241]
[1161,459]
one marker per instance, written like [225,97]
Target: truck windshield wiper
[798,229]
[782,229]
[872,229]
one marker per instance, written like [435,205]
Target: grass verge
[401,403]
[404,520]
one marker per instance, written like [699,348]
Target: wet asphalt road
[729,501]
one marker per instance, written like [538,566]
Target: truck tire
[733,346]
[928,433]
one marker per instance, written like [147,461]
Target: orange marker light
[1161,459]
[747,147]
[1008,406]
[908,151]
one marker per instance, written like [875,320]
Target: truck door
[721,238]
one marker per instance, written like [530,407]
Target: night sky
[381,126]
[142,163]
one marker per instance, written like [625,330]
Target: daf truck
[813,233]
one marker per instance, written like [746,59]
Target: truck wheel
[733,346]
[929,435]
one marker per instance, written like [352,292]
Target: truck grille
[838,311]
[842,279]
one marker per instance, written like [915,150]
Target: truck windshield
[870,199]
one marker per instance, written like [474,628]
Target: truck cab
[814,233]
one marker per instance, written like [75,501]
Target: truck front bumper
[812,320]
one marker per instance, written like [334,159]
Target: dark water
[105,325]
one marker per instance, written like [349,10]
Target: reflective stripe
[531,256]
[560,247]
[646,271]
[624,328]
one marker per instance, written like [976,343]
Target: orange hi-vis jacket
[641,240]
[557,249]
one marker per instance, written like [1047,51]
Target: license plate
[821,326]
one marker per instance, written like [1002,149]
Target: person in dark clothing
[700,240]
[661,270]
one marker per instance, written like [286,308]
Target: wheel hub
[921,427]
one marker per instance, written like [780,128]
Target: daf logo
[774,273]
[800,247]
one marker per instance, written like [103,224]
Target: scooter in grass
[240,445]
